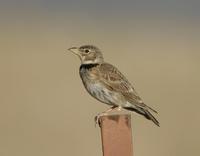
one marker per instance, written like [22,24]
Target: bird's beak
[74,50]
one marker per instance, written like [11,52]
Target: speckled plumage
[107,84]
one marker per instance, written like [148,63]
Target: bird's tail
[145,113]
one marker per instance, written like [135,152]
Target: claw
[97,120]
[97,117]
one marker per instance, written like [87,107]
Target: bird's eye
[87,51]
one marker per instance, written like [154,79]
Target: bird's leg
[97,117]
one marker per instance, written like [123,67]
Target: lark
[107,84]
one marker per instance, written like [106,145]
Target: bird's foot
[97,119]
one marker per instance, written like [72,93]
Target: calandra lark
[106,83]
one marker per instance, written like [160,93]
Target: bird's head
[88,54]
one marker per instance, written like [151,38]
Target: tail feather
[151,117]
[145,113]
[152,109]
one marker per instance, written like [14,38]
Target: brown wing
[116,81]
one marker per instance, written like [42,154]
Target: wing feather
[116,81]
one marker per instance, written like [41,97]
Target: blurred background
[44,108]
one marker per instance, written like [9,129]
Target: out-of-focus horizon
[44,109]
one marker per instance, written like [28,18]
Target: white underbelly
[103,94]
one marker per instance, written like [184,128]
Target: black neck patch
[88,66]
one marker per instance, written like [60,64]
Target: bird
[107,84]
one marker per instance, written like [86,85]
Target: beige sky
[44,109]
